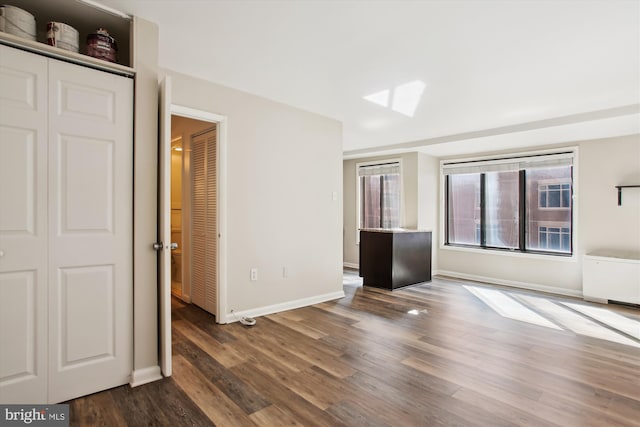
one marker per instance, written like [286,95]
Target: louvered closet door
[198,221]
[90,230]
[23,227]
[204,232]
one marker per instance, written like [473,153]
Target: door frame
[164,332]
[221,147]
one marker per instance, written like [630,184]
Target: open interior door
[164,225]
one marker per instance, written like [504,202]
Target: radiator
[608,276]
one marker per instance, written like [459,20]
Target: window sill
[527,255]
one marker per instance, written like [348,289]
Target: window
[519,204]
[501,208]
[464,205]
[379,189]
[554,238]
[554,196]
[550,207]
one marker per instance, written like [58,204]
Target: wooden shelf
[65,55]
[86,19]
[620,187]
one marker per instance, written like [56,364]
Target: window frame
[547,183]
[552,224]
[444,244]
[358,190]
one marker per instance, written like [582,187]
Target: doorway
[168,112]
[194,225]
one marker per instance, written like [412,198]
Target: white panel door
[90,230]
[23,227]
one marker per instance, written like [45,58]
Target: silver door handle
[172,246]
[157,246]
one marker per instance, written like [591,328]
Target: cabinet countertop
[394,230]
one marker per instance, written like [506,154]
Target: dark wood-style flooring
[430,355]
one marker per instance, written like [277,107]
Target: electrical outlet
[254,274]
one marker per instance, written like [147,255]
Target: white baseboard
[595,299]
[276,308]
[145,375]
[512,283]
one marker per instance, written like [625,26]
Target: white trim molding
[221,126]
[276,308]
[512,283]
[351,265]
[105,8]
[145,375]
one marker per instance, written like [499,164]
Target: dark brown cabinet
[391,259]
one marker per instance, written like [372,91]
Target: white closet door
[90,230]
[23,227]
[204,234]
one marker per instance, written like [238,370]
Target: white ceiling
[498,74]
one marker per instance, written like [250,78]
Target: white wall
[604,225]
[284,165]
[427,207]
[600,224]
[419,187]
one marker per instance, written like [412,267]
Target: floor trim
[145,375]
[289,305]
[351,265]
[512,283]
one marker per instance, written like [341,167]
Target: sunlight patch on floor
[544,312]
[508,307]
[351,280]
[611,319]
[575,322]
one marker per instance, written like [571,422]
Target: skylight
[403,99]
[406,97]
[380,98]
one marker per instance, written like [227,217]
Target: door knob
[172,246]
[157,246]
